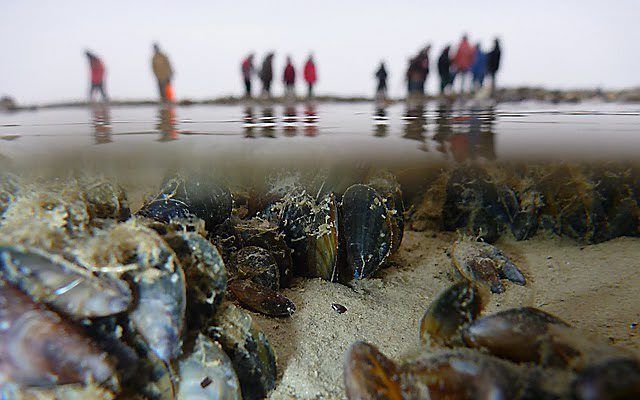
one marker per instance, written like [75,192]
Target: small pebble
[633,325]
[205,382]
[339,308]
[549,257]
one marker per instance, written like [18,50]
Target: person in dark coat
[444,69]
[247,72]
[493,63]
[266,74]
[381,76]
[289,78]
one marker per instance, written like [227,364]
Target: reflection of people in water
[268,123]
[249,122]
[310,119]
[290,119]
[101,121]
[415,121]
[380,122]
[469,136]
[167,123]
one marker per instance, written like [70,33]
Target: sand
[595,287]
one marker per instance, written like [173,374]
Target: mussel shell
[366,230]
[455,307]
[159,314]
[38,348]
[516,334]
[205,275]
[165,209]
[107,200]
[64,286]
[249,350]
[262,233]
[389,188]
[460,375]
[293,215]
[207,198]
[472,261]
[613,379]
[369,375]
[207,373]
[261,299]
[256,264]
[323,241]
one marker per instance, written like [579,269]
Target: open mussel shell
[207,373]
[366,230]
[516,334]
[256,264]
[369,375]
[64,286]
[251,354]
[323,241]
[38,348]
[261,299]
[455,307]
[196,194]
[262,233]
[484,263]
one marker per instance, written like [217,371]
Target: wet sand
[593,287]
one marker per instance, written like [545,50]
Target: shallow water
[307,132]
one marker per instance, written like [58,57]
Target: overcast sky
[556,44]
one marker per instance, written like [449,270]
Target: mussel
[366,230]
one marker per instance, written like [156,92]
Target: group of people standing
[467,61]
[265,74]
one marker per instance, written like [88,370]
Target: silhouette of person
[310,75]
[97,76]
[414,128]
[493,63]
[289,78]
[381,76]
[247,73]
[162,70]
[444,70]
[479,67]
[266,74]
[462,61]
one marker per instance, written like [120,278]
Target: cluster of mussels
[520,353]
[584,202]
[98,303]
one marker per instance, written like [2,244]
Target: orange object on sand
[168,91]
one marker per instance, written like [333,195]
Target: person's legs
[493,83]
[162,90]
[103,92]
[310,92]
[247,87]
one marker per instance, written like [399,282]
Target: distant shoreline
[502,96]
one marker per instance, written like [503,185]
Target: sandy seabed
[596,288]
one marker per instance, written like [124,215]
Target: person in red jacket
[463,60]
[97,76]
[310,75]
[289,78]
